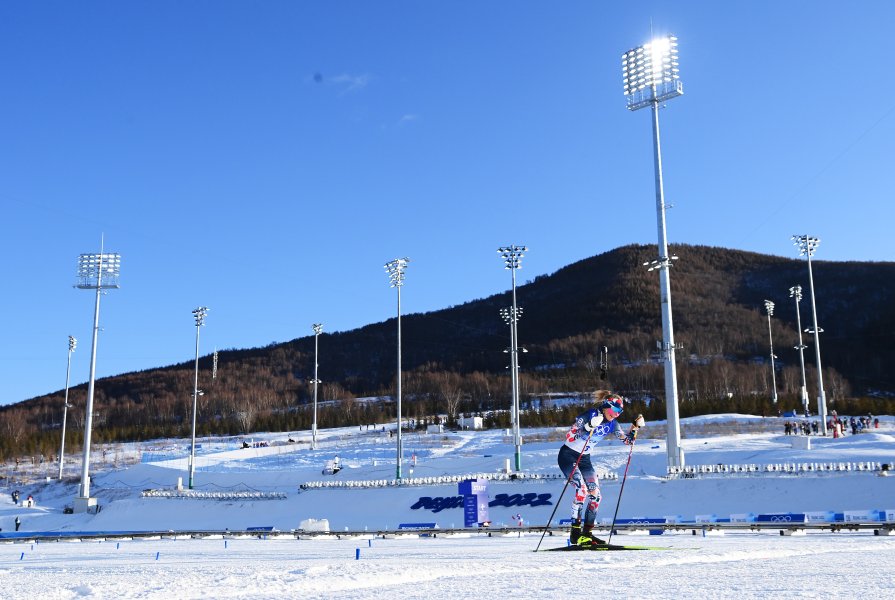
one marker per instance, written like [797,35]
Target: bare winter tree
[13,425]
[245,415]
[348,406]
[452,395]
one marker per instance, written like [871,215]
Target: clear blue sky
[267,158]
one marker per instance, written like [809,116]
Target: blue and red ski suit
[581,441]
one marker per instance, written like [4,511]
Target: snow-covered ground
[361,499]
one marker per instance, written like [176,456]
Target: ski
[604,547]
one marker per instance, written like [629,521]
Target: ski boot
[588,539]
[575,531]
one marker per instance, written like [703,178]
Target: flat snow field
[734,565]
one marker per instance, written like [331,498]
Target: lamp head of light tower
[199,314]
[806,244]
[650,73]
[98,271]
[512,255]
[395,271]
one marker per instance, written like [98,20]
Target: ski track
[731,566]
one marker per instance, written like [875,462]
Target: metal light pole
[512,256]
[796,292]
[318,329]
[769,306]
[72,344]
[199,314]
[395,270]
[651,77]
[807,246]
[511,316]
[95,272]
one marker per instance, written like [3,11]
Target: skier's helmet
[614,403]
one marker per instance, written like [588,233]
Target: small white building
[470,422]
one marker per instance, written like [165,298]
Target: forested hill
[454,359]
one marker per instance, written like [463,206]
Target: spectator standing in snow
[589,428]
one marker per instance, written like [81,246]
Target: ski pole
[624,478]
[568,481]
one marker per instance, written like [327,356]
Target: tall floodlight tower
[511,316]
[199,315]
[95,272]
[807,245]
[318,329]
[769,307]
[796,292]
[72,344]
[395,271]
[650,78]
[512,256]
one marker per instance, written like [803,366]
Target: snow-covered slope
[362,496]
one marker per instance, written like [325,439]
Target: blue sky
[265,159]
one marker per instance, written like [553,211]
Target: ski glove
[639,422]
[594,423]
[632,435]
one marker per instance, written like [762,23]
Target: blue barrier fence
[782,518]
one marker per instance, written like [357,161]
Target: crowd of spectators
[800,427]
[838,426]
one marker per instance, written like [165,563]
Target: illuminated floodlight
[650,73]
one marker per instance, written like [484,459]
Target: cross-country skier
[589,428]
